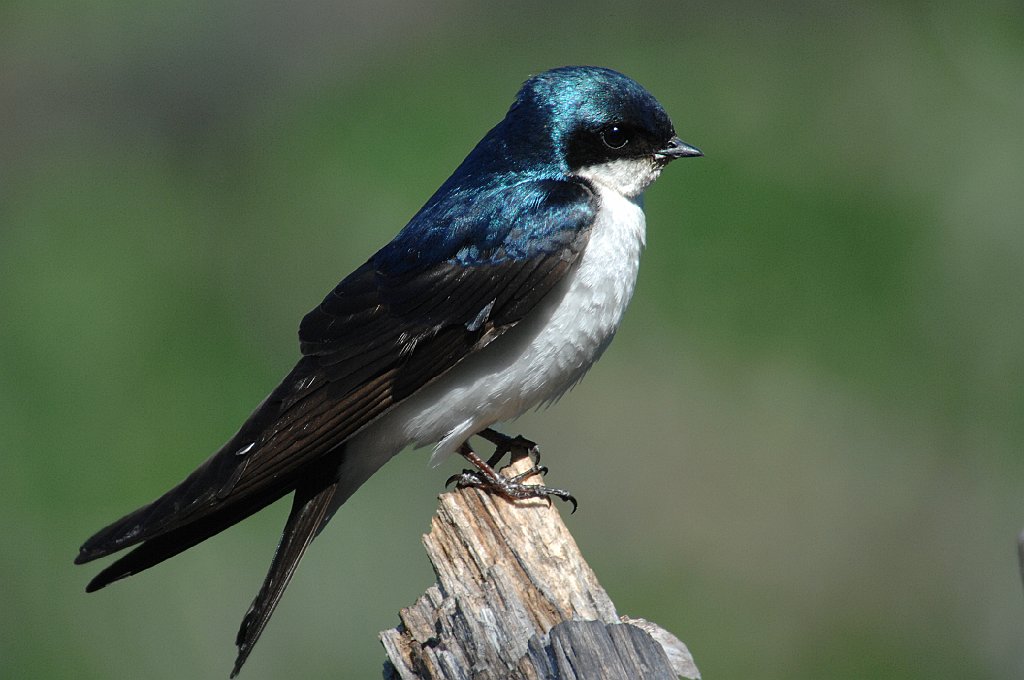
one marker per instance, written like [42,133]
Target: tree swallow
[495,298]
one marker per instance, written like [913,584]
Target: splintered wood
[514,599]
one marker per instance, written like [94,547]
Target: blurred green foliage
[802,454]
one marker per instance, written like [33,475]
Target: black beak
[676,148]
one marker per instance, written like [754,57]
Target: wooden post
[514,599]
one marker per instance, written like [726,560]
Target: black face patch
[617,140]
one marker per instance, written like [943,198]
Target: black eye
[614,137]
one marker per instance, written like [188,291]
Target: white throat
[626,176]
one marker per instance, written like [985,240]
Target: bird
[497,297]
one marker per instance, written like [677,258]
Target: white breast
[540,358]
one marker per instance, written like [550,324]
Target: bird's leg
[487,478]
[517,447]
[504,444]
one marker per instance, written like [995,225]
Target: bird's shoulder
[508,240]
[477,223]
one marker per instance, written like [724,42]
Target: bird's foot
[485,477]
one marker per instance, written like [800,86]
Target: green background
[802,455]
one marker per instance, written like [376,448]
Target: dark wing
[463,272]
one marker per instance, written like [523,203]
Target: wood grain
[515,599]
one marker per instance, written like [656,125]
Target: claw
[458,477]
[513,488]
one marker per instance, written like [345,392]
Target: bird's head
[595,123]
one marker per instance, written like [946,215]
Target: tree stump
[514,599]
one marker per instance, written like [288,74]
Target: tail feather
[311,509]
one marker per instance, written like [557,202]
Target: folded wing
[461,274]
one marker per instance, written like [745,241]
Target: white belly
[536,361]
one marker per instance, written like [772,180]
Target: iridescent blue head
[575,119]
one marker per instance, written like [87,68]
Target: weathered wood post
[514,599]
